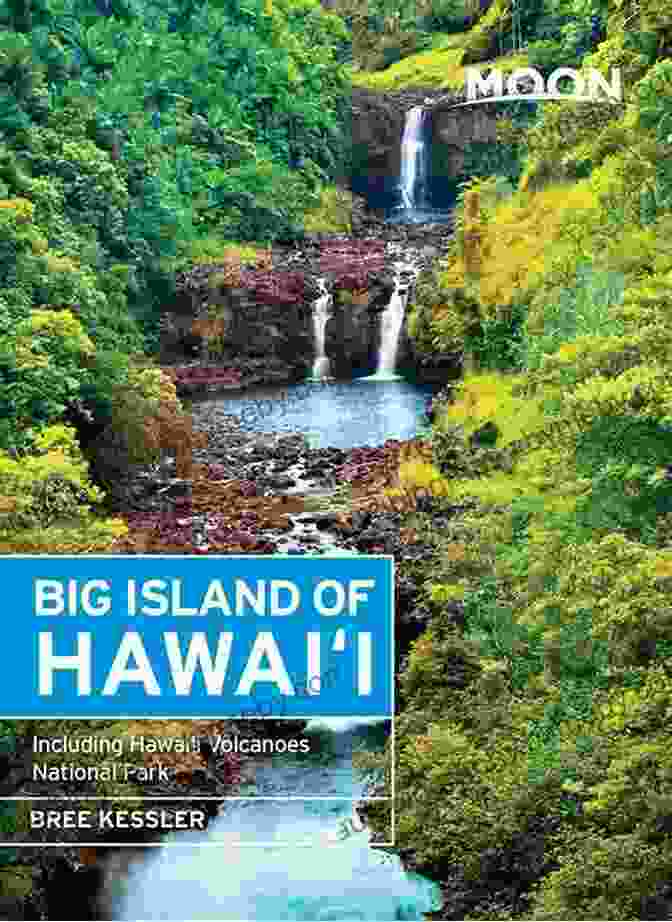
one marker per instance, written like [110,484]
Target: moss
[84,536]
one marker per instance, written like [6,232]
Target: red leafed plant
[188,375]
[351,262]
[275,287]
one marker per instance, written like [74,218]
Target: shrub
[466,800]
[413,475]
[582,310]
[482,398]
[47,486]
[654,96]
[635,793]
[486,36]
[439,663]
[618,579]
[144,409]
[449,15]
[626,457]
[520,244]
[41,369]
[640,391]
[562,131]
[17,236]
[546,55]
[146,421]
[497,343]
[603,879]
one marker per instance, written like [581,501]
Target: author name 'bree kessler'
[118,819]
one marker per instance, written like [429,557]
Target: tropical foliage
[135,139]
[534,727]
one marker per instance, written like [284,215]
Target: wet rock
[360,519]
[387,522]
[409,626]
[176,489]
[317,470]
[659,905]
[281,483]
[325,521]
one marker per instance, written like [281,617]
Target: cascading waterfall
[391,323]
[297,866]
[392,319]
[413,178]
[321,314]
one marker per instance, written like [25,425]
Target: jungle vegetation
[534,731]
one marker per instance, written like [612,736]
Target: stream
[282,859]
[290,859]
[295,847]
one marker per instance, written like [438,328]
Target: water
[413,179]
[321,314]
[338,414]
[426,215]
[390,327]
[288,859]
[392,321]
[281,860]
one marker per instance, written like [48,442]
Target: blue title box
[198,636]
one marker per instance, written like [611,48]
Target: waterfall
[321,314]
[413,178]
[392,318]
[391,323]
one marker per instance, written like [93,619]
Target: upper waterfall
[413,176]
[420,198]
